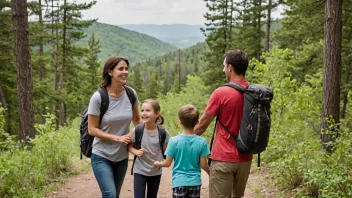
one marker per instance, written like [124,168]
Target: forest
[50,67]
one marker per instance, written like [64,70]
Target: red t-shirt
[227,104]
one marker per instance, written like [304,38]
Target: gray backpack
[253,136]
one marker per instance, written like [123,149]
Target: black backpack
[86,139]
[138,131]
[253,136]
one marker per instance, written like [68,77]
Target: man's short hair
[238,60]
[189,116]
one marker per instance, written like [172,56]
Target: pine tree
[219,32]
[248,33]
[8,69]
[67,25]
[137,82]
[153,89]
[332,70]
[346,85]
[24,70]
[93,63]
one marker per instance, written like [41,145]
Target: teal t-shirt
[186,151]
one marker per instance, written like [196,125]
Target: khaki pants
[228,179]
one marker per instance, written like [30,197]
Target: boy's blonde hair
[189,116]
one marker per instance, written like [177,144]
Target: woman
[110,154]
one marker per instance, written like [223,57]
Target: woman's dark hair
[156,107]
[110,64]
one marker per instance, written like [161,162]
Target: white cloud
[151,11]
[147,11]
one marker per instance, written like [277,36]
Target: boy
[186,173]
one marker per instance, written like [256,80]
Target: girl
[109,155]
[145,174]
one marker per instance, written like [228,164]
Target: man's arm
[204,164]
[203,124]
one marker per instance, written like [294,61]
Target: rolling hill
[135,46]
[181,35]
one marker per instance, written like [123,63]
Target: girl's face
[119,73]
[148,114]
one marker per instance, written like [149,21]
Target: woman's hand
[126,139]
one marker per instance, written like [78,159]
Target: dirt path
[85,185]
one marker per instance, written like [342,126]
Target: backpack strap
[162,138]
[104,105]
[138,134]
[212,139]
[235,86]
[130,94]
[104,102]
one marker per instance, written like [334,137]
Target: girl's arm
[166,163]
[93,130]
[135,151]
[204,164]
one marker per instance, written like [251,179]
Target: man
[229,169]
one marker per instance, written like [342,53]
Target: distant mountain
[135,46]
[180,35]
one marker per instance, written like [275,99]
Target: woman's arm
[93,130]
[204,164]
[136,119]
[166,163]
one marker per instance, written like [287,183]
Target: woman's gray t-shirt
[116,120]
[144,165]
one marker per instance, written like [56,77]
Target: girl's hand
[126,139]
[140,152]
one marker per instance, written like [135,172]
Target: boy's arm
[204,164]
[166,163]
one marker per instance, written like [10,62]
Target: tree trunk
[268,24]
[2,99]
[259,14]
[62,109]
[332,70]
[231,21]
[24,70]
[41,52]
[345,95]
[55,34]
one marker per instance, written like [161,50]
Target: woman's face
[148,114]
[119,73]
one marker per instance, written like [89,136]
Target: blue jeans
[109,175]
[141,181]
